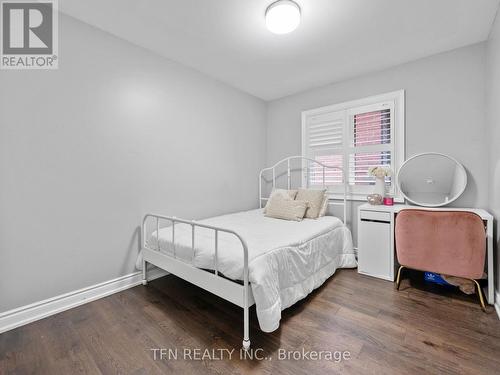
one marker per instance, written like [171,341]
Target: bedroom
[181,109]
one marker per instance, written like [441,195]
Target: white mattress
[287,259]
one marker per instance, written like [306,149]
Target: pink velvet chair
[452,243]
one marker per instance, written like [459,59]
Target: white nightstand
[376,256]
[375,242]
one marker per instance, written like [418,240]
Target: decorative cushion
[279,207]
[314,200]
[284,193]
[324,205]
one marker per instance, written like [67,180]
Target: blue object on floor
[435,278]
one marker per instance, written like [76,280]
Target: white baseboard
[26,314]
[497,303]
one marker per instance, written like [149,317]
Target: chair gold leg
[480,293]
[398,278]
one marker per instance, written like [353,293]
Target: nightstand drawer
[375,216]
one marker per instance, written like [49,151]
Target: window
[355,136]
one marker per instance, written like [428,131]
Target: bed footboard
[232,291]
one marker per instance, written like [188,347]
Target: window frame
[398,142]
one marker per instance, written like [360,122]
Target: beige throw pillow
[314,200]
[284,193]
[324,205]
[284,208]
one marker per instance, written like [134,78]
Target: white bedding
[286,259]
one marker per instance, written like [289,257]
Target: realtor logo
[29,35]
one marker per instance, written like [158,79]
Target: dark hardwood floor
[415,330]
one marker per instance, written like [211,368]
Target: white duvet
[286,259]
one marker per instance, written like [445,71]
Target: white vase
[379,186]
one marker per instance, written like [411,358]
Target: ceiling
[337,39]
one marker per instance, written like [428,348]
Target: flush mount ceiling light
[282,16]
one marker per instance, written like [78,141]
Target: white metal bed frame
[230,290]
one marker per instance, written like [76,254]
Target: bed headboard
[304,167]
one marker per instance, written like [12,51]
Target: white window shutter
[325,132]
[354,135]
[325,141]
[371,143]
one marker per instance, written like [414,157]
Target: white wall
[117,132]
[87,150]
[493,111]
[445,112]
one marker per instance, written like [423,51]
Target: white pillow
[314,199]
[285,208]
[284,193]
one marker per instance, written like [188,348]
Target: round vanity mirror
[431,179]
